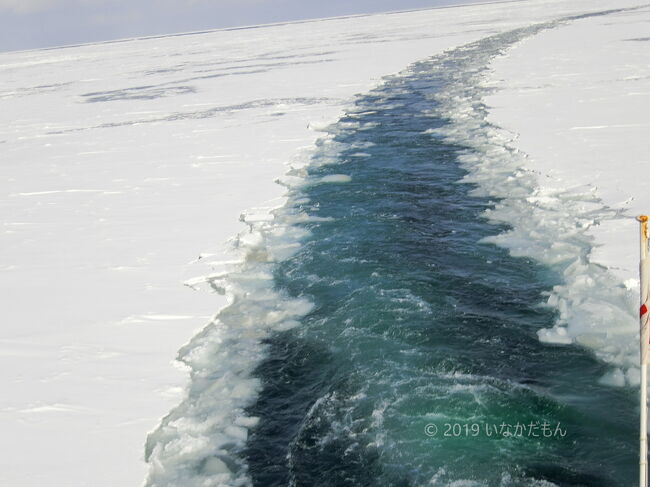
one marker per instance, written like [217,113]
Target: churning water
[377,336]
[420,363]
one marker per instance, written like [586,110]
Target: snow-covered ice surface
[124,162]
[575,100]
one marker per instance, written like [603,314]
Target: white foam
[335,178]
[615,377]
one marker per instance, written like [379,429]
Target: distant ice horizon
[53,24]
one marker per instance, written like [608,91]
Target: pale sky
[27,24]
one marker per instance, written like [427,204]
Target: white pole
[644,333]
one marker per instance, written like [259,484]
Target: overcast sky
[27,24]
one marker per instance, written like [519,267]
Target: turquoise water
[420,363]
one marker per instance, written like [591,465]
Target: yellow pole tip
[642,218]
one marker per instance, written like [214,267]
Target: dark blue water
[420,364]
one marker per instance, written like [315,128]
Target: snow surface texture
[122,162]
[575,101]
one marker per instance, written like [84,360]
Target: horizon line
[253,26]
